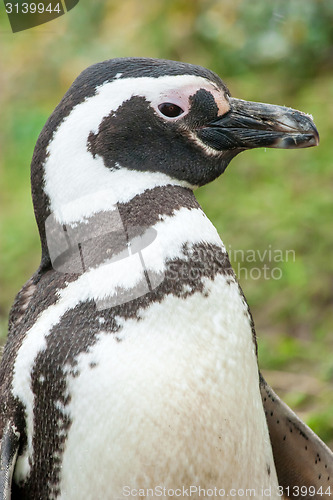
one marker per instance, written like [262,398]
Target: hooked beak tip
[299,129]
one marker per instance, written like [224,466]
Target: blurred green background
[266,204]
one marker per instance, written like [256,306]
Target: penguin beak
[249,125]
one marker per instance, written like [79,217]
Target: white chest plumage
[174,402]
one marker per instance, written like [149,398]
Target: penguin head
[188,127]
[126,125]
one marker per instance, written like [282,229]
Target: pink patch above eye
[179,98]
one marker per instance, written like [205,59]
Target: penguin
[130,368]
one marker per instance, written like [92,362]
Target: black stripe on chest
[93,241]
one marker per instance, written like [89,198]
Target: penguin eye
[170,110]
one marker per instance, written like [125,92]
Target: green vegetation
[277,201]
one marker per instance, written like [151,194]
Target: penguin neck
[93,228]
[121,188]
[158,243]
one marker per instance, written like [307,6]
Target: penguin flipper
[9,446]
[301,458]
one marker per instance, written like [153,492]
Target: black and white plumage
[106,384]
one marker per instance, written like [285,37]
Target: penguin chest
[171,399]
